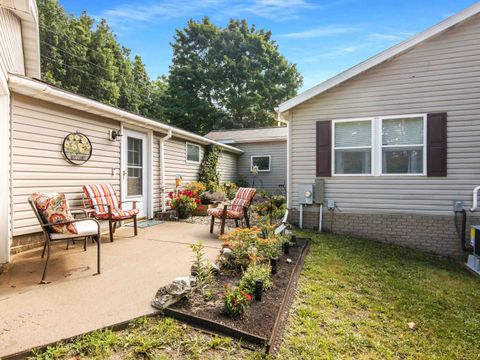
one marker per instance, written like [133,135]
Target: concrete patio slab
[75,301]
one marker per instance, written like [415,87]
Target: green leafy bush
[253,273]
[208,174]
[236,301]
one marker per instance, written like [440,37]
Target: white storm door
[135,170]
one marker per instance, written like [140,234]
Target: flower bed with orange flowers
[233,310]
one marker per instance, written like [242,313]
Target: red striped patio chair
[238,209]
[103,199]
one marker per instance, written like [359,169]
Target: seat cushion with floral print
[53,208]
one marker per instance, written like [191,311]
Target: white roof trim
[43,91]
[380,58]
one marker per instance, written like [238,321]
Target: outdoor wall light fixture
[114,135]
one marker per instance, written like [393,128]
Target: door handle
[124,173]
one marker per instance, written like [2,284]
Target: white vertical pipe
[162,166]
[300,225]
[320,219]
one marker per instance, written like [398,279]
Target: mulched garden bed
[261,318]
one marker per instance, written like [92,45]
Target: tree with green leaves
[85,57]
[224,78]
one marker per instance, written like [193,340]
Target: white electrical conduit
[320,218]
[475,199]
[162,166]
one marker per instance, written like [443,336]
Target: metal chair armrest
[79,211]
[69,222]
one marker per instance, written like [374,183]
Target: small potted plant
[184,202]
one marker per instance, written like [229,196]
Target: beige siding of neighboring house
[278,166]
[439,75]
[38,164]
[176,163]
[11,50]
[227,167]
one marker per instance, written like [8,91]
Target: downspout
[162,167]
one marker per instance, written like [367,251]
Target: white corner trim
[380,58]
[5,206]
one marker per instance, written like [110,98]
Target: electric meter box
[306,194]
[475,239]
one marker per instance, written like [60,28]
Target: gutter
[162,167]
[40,90]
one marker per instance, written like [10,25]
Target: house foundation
[434,234]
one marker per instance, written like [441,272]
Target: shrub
[196,187]
[253,273]
[243,243]
[236,301]
[251,246]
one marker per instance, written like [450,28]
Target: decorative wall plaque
[77,148]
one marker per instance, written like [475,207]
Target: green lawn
[357,299]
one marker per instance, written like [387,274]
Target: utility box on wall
[306,194]
[319,191]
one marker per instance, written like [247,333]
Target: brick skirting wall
[436,234]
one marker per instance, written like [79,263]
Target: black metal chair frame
[48,239]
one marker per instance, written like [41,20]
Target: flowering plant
[236,301]
[196,187]
[184,201]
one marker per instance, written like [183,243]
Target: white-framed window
[380,146]
[192,153]
[352,147]
[403,140]
[262,162]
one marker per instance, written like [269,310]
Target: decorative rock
[226,252]
[215,268]
[288,261]
[186,280]
[171,293]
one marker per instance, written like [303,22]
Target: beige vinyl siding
[38,164]
[11,50]
[227,167]
[439,75]
[176,164]
[278,165]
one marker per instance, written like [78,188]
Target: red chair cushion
[218,213]
[117,214]
[243,198]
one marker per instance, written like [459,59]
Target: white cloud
[324,31]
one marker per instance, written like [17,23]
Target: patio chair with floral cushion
[238,209]
[58,223]
[103,199]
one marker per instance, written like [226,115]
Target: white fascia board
[380,58]
[43,91]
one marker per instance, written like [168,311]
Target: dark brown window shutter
[437,144]
[324,148]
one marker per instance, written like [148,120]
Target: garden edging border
[221,329]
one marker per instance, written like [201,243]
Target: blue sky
[322,37]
